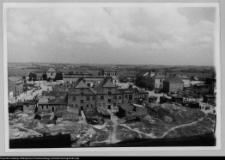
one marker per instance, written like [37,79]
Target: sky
[161,34]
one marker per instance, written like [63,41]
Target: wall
[174,87]
[51,75]
[186,82]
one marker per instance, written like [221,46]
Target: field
[20,72]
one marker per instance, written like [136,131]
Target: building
[91,81]
[109,72]
[51,73]
[15,86]
[81,96]
[68,113]
[172,84]
[52,101]
[157,81]
[132,110]
[107,94]
[207,98]
[211,81]
[185,79]
[30,106]
[133,95]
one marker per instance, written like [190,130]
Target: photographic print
[81,75]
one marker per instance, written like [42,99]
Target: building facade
[172,84]
[81,96]
[51,73]
[15,86]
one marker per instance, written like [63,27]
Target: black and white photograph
[111,75]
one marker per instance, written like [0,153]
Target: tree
[44,76]
[59,76]
[32,76]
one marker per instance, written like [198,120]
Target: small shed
[177,99]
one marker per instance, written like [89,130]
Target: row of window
[87,98]
[102,97]
[87,106]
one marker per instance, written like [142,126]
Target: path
[183,125]
[150,135]
[28,130]
[114,119]
[112,138]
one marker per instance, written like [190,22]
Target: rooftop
[173,78]
[54,93]
[51,70]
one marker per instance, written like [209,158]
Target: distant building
[109,72]
[51,73]
[91,81]
[185,79]
[15,86]
[157,81]
[172,84]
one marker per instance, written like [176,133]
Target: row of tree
[33,77]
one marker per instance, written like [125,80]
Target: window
[109,100]
[130,97]
[87,106]
[125,96]
[81,93]
[119,97]
[51,74]
[74,98]
[88,99]
[82,89]
[93,98]
[102,97]
[81,101]
[109,93]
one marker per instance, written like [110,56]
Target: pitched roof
[173,78]
[181,76]
[51,70]
[52,101]
[105,83]
[54,93]
[159,76]
[80,84]
[15,79]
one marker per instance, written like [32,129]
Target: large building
[107,94]
[172,84]
[81,96]
[15,86]
[51,73]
